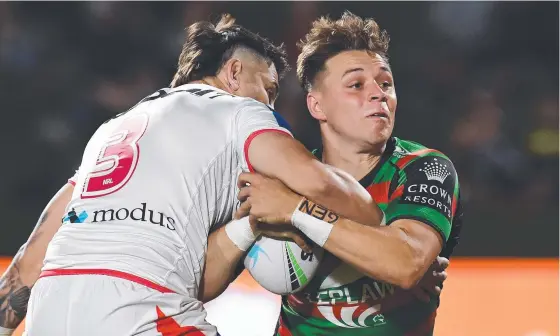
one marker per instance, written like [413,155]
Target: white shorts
[94,305]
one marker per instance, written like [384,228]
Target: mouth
[379,115]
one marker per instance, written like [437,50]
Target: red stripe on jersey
[108,272]
[397,193]
[453,206]
[167,326]
[379,191]
[283,329]
[72,182]
[250,139]
[411,156]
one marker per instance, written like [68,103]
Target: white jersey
[154,181]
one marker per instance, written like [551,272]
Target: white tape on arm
[240,233]
[314,221]
[6,331]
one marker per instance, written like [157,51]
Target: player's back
[151,184]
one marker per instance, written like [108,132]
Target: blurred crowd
[476,80]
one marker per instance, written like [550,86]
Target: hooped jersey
[155,180]
[410,182]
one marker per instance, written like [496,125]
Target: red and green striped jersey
[410,181]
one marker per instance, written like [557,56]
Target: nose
[376,93]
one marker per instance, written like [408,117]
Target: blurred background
[476,80]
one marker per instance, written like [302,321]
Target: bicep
[278,155]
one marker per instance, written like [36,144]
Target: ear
[314,106]
[232,71]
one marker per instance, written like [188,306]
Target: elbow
[407,267]
[412,272]
[409,279]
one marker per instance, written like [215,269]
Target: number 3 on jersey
[117,158]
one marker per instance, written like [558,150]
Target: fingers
[439,276]
[286,232]
[437,290]
[244,193]
[244,210]
[425,294]
[299,241]
[431,291]
[247,178]
[441,264]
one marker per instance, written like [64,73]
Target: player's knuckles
[437,290]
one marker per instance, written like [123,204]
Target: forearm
[23,272]
[398,254]
[222,259]
[383,253]
[343,195]
[19,278]
[300,171]
[14,295]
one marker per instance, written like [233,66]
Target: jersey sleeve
[252,119]
[74,178]
[427,190]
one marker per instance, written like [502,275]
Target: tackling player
[153,181]
[343,67]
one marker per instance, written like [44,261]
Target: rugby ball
[281,266]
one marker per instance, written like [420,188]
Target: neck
[346,156]
[212,81]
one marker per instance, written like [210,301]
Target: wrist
[241,233]
[6,331]
[315,221]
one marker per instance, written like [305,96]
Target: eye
[386,85]
[356,85]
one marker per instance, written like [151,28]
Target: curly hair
[327,38]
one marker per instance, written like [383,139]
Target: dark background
[476,80]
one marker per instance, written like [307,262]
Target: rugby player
[130,253]
[362,286]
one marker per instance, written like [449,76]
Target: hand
[269,200]
[286,232]
[431,282]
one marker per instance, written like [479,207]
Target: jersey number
[117,159]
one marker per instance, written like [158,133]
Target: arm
[400,253]
[303,173]
[226,248]
[23,272]
[266,145]
[221,267]
[419,212]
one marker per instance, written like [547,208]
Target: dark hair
[209,46]
[327,38]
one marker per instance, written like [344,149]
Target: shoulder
[253,109]
[408,153]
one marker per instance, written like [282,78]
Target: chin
[381,136]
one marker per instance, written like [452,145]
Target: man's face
[356,98]
[259,81]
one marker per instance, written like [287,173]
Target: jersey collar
[368,179]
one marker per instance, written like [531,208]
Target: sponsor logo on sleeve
[430,182]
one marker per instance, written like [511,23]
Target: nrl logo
[435,171]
